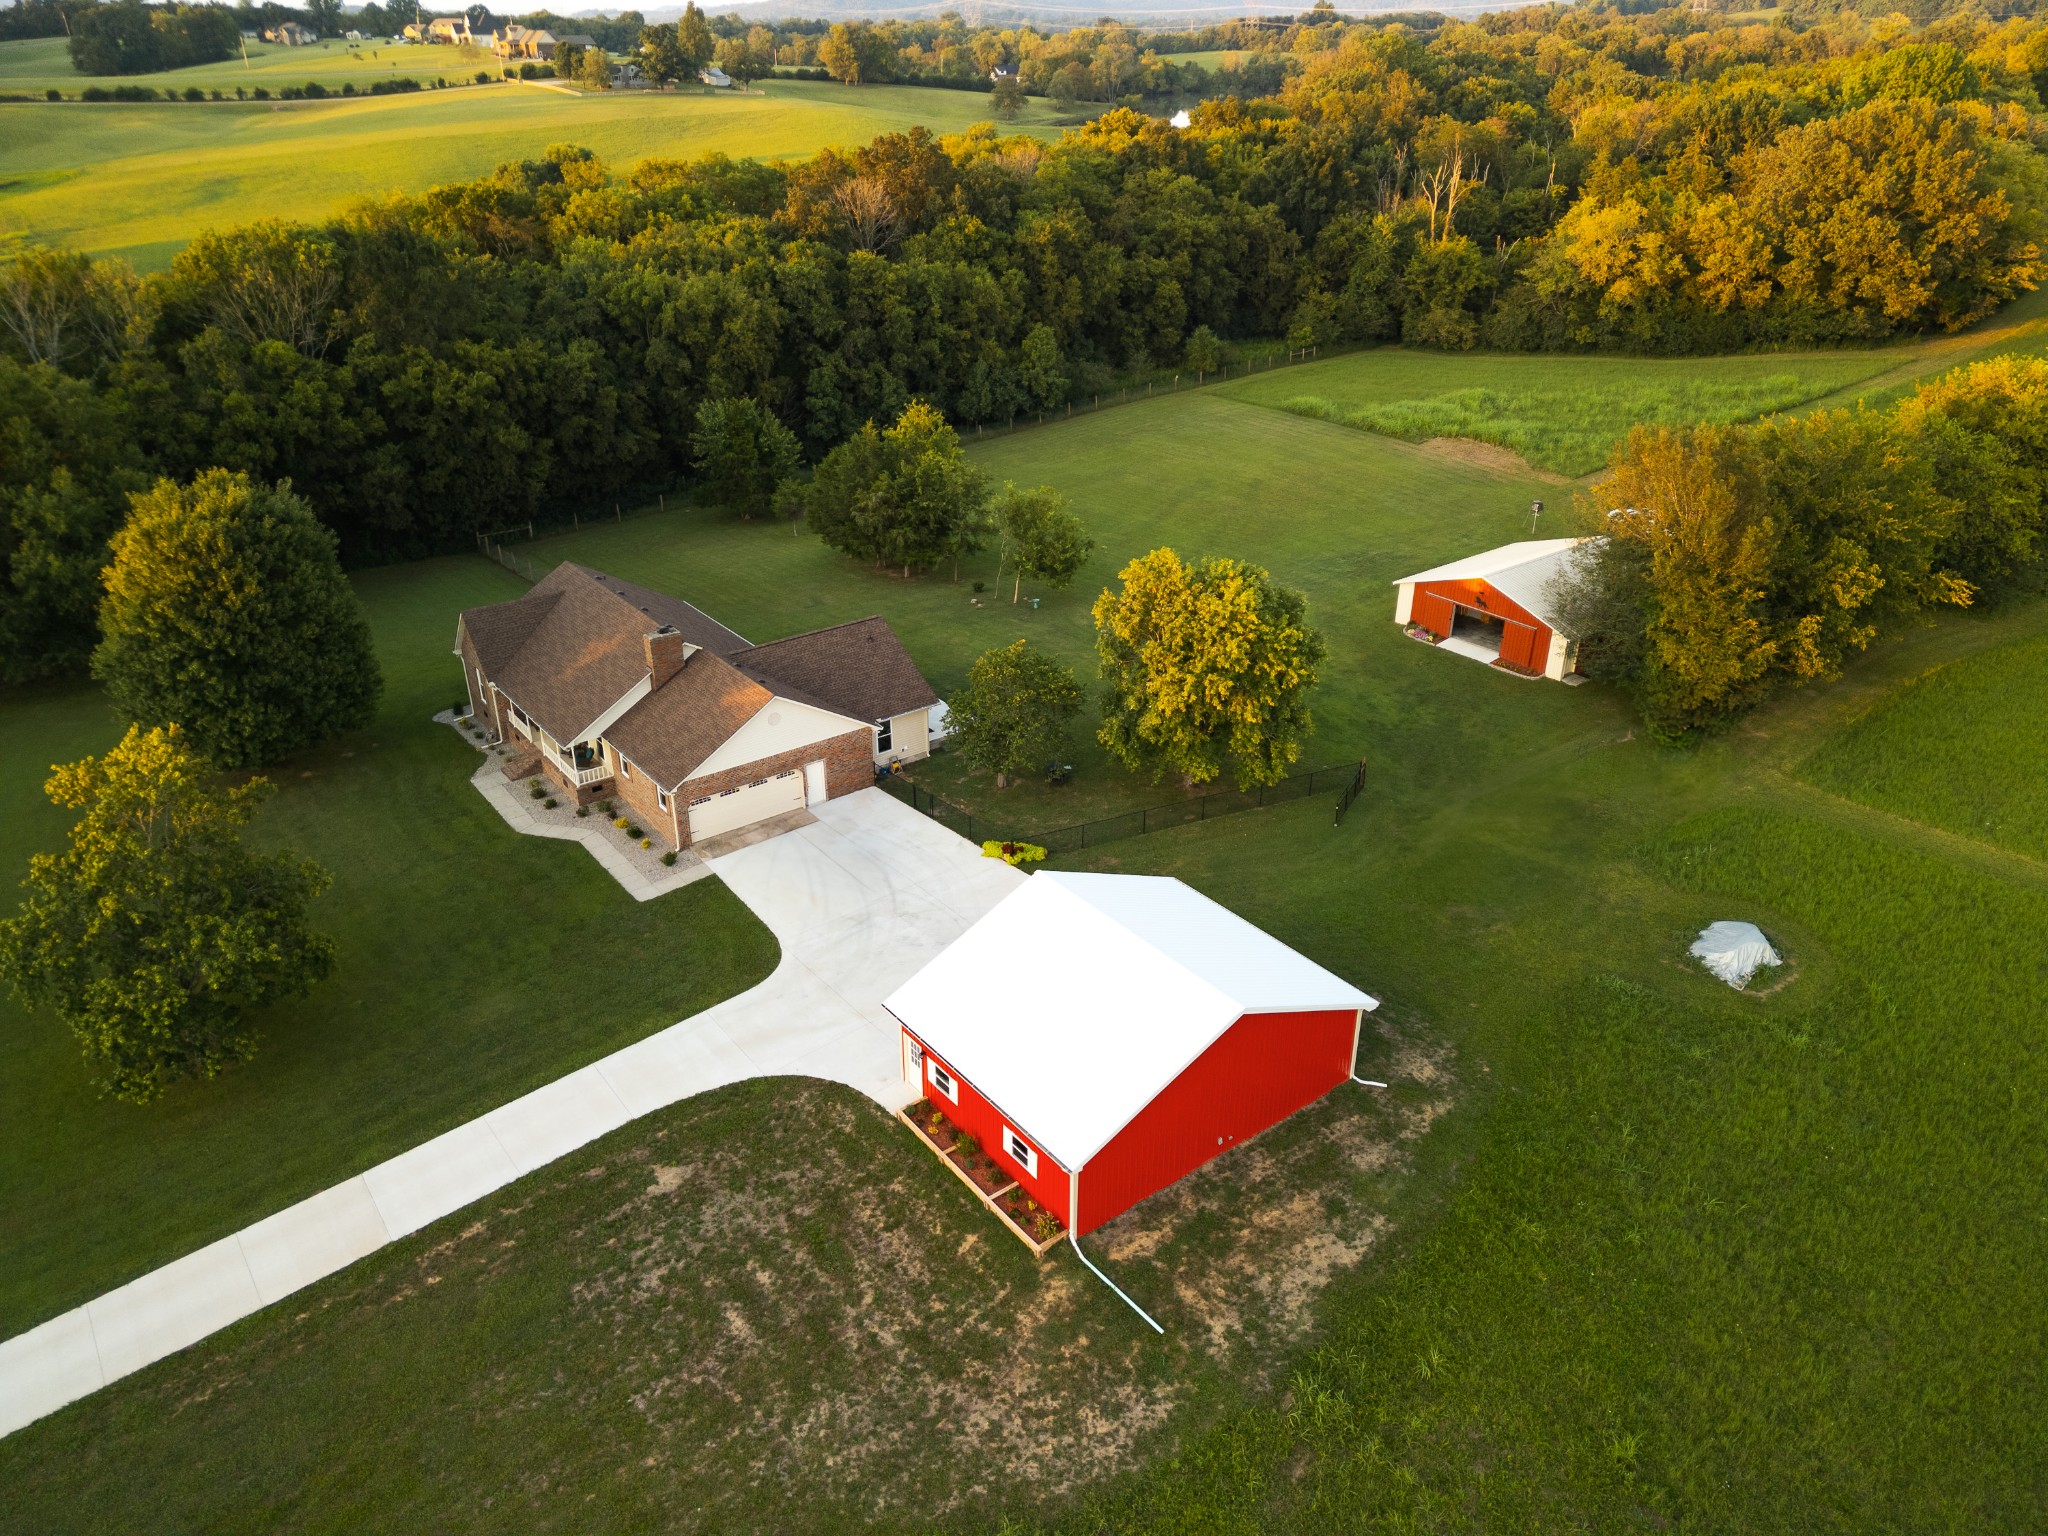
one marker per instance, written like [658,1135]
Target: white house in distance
[1495,607]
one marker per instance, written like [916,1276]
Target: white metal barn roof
[1079,997]
[1521,571]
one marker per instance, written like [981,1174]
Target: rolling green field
[1933,752]
[1657,1256]
[140,180]
[427,1022]
[44,63]
[1563,414]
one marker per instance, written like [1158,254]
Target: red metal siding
[1524,645]
[1433,611]
[1524,640]
[1049,1186]
[1263,1068]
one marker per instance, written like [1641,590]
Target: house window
[1021,1150]
[883,737]
[625,769]
[942,1080]
[661,798]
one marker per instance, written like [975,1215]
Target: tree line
[429,366]
[1740,560]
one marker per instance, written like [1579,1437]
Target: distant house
[448,29]
[352,37]
[1498,607]
[1180,119]
[615,691]
[715,77]
[517,42]
[291,35]
[1001,73]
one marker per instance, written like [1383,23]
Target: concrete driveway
[859,901]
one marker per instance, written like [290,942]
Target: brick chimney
[666,653]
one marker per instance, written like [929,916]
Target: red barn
[1495,607]
[1103,1035]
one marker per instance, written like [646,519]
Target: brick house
[628,694]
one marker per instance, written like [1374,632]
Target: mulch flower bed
[1001,1193]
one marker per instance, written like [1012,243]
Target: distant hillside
[1150,13]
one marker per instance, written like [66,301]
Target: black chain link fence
[1348,778]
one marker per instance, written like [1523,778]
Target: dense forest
[1554,178]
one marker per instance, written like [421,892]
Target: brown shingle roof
[574,657]
[687,718]
[858,669]
[569,649]
[573,646]
[694,624]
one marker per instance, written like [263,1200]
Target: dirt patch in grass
[1247,1243]
[1469,450]
[767,1307]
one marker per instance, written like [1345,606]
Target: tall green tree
[155,933]
[903,496]
[743,452]
[594,70]
[1206,669]
[67,467]
[1040,537]
[1015,715]
[694,42]
[1983,432]
[227,614]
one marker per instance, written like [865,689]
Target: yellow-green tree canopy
[227,614]
[156,931]
[1206,668]
[1013,716]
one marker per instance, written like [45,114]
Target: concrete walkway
[859,901]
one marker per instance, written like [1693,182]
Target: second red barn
[1104,1035]
[1498,607]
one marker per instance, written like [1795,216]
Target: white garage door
[746,805]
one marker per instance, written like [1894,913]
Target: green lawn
[141,180]
[1674,1257]
[1932,751]
[475,964]
[1563,414]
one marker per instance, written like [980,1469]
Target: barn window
[942,1080]
[1020,1149]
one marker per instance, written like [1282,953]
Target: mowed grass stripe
[1942,750]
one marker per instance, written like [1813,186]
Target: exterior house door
[815,790]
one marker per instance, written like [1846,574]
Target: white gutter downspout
[1357,1030]
[1074,1240]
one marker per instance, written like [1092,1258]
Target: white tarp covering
[1734,951]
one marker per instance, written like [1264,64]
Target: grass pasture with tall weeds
[1563,414]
